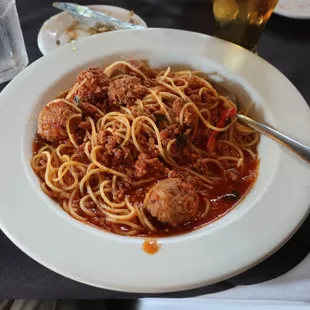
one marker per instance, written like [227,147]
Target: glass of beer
[242,21]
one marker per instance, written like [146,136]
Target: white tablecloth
[288,292]
[292,286]
[204,304]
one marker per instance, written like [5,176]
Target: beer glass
[242,21]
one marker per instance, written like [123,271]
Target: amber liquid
[242,21]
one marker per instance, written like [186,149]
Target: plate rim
[134,289]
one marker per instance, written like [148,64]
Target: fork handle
[296,148]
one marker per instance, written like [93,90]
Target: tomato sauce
[224,196]
[150,246]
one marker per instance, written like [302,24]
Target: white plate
[54,29]
[257,227]
[299,9]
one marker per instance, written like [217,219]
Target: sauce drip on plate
[150,246]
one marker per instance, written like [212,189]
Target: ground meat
[172,201]
[194,83]
[114,153]
[169,133]
[152,148]
[90,205]
[126,90]
[120,194]
[85,125]
[142,66]
[89,110]
[191,92]
[130,152]
[123,69]
[81,172]
[190,118]
[52,121]
[202,137]
[177,106]
[226,150]
[233,174]
[208,97]
[181,148]
[118,154]
[104,158]
[117,70]
[78,137]
[95,87]
[146,166]
[135,110]
[195,98]
[161,121]
[185,176]
[79,155]
[188,156]
[150,109]
[149,82]
[207,168]
[149,145]
[108,140]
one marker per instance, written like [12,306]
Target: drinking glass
[242,21]
[13,55]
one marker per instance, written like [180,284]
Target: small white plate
[53,32]
[267,217]
[298,9]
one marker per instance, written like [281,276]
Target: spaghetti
[137,151]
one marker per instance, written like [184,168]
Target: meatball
[52,121]
[126,90]
[94,85]
[172,201]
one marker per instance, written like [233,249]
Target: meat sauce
[181,137]
[223,197]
